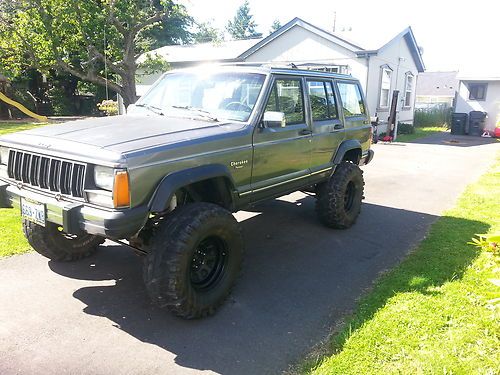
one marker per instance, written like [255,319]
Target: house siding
[491,104]
[390,56]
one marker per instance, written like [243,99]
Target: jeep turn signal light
[121,191]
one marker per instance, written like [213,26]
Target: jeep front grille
[53,174]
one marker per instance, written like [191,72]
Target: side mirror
[274,119]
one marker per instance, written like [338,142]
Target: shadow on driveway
[298,279]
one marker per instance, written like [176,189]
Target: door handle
[305,132]
[338,126]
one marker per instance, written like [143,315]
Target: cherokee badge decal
[239,164]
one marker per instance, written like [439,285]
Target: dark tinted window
[323,106]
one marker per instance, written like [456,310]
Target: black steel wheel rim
[349,195]
[208,263]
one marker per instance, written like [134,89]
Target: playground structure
[22,108]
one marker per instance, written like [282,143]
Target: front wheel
[51,242]
[193,260]
[339,199]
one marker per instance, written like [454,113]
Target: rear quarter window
[352,100]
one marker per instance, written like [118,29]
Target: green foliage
[207,33]
[275,26]
[435,116]
[488,242]
[153,63]
[109,107]
[79,36]
[404,128]
[243,25]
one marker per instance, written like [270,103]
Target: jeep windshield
[213,96]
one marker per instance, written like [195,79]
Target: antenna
[334,20]
[105,64]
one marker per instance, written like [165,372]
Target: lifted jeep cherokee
[202,143]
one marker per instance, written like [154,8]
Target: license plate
[33,211]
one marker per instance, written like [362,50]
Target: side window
[287,97]
[322,100]
[352,101]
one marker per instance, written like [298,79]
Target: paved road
[93,317]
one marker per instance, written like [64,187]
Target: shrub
[434,116]
[404,128]
[110,107]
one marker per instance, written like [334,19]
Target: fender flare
[346,146]
[176,180]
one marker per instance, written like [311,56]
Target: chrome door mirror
[274,119]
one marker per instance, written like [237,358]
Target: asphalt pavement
[299,279]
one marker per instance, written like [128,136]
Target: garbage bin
[477,120]
[459,123]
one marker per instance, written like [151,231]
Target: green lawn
[420,132]
[10,127]
[12,240]
[438,311]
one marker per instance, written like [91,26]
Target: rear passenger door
[327,126]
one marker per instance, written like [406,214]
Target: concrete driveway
[93,317]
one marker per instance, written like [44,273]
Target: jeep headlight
[4,155]
[104,177]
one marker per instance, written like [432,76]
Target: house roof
[218,51]
[239,50]
[409,37]
[437,83]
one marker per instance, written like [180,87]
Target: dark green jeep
[202,143]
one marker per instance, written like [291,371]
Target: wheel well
[353,156]
[215,190]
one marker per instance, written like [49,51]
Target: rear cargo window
[352,101]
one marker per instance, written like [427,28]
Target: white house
[476,93]
[393,66]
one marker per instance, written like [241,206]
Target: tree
[86,39]
[275,26]
[243,25]
[206,33]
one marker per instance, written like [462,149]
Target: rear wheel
[193,260]
[339,199]
[51,242]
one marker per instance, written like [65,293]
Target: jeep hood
[117,134]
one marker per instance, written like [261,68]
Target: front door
[282,154]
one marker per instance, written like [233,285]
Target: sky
[454,35]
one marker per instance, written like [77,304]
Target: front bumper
[77,217]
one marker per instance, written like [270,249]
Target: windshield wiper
[152,108]
[200,111]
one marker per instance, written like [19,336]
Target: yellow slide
[22,108]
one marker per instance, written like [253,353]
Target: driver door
[282,151]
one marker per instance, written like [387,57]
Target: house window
[477,91]
[385,87]
[352,101]
[409,89]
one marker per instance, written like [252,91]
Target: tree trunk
[128,91]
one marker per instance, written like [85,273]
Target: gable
[299,45]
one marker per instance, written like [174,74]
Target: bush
[404,128]
[110,107]
[434,116]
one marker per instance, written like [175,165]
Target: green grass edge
[441,262]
